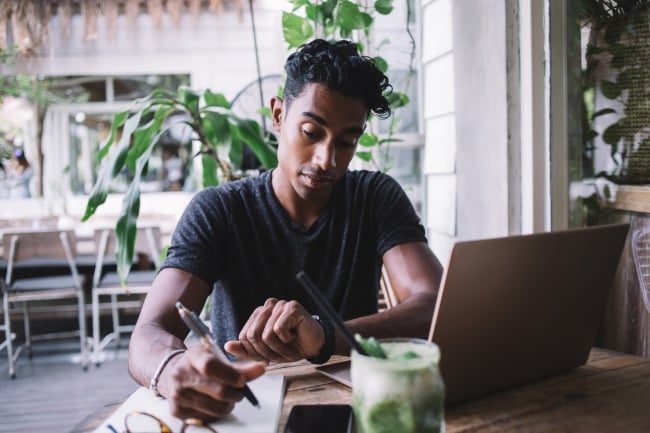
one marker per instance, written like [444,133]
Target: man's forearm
[411,318]
[149,344]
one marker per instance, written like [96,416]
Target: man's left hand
[278,331]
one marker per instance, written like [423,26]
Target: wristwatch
[328,348]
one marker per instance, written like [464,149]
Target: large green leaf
[217,129]
[349,18]
[217,133]
[397,99]
[366,156]
[367,22]
[209,165]
[313,13]
[613,134]
[142,138]
[252,135]
[297,30]
[236,154]
[603,112]
[112,167]
[384,7]
[250,132]
[114,157]
[610,89]
[326,9]
[381,63]
[190,98]
[215,99]
[368,139]
[125,230]
[118,122]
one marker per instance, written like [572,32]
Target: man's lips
[318,180]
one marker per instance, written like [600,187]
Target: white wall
[481,118]
[473,120]
[217,50]
[439,107]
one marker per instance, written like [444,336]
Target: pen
[330,313]
[197,326]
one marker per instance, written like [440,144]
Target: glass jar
[403,393]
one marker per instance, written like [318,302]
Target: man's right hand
[198,384]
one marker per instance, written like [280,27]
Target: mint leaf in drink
[392,416]
[408,355]
[371,346]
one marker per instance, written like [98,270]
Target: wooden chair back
[52,244]
[147,242]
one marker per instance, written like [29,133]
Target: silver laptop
[520,308]
[516,309]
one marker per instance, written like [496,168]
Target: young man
[243,242]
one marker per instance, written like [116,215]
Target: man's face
[317,139]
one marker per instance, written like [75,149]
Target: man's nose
[325,155]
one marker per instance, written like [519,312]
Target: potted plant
[220,132]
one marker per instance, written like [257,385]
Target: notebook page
[245,418]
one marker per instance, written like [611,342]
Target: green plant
[336,19]
[618,69]
[31,87]
[219,131]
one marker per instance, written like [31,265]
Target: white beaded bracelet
[153,385]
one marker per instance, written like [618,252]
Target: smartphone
[320,418]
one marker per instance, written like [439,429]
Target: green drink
[403,393]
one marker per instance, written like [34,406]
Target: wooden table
[611,393]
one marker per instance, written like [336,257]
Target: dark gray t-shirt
[238,237]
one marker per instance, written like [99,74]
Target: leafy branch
[135,133]
[344,19]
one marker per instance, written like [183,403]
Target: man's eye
[351,142]
[309,134]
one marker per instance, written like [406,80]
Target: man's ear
[277,109]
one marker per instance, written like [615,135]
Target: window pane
[106,89]
[406,168]
[406,117]
[609,132]
[169,165]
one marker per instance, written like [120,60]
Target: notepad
[245,418]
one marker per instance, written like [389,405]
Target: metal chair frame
[46,244]
[148,242]
[388,299]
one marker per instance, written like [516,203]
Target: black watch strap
[330,342]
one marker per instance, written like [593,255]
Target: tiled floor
[51,392]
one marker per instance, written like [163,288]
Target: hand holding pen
[197,326]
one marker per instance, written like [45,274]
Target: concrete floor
[51,392]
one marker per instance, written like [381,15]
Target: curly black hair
[339,66]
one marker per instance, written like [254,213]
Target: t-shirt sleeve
[396,219]
[199,240]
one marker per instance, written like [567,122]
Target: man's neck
[302,212]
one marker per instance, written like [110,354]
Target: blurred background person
[20,172]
